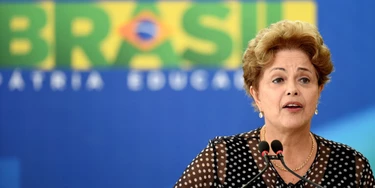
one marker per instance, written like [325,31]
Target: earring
[260,114]
[316,111]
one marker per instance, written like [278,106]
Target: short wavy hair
[281,35]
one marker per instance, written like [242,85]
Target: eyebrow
[299,68]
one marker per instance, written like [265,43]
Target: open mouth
[292,106]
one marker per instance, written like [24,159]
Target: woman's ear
[321,87]
[254,93]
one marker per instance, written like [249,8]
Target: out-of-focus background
[126,93]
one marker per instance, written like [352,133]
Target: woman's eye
[304,80]
[277,80]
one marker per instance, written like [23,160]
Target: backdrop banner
[125,94]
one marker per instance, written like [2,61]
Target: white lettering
[58,80]
[94,81]
[220,80]
[76,81]
[135,81]
[178,80]
[198,80]
[16,81]
[155,80]
[37,79]
[238,79]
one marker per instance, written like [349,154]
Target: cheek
[271,99]
[313,101]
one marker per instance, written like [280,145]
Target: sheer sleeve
[207,169]
[364,173]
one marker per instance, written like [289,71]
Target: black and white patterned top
[232,161]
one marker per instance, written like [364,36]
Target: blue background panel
[115,136]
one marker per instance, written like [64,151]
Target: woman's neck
[299,149]
[294,140]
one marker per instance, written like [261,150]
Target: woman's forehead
[287,60]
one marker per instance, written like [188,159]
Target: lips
[292,105]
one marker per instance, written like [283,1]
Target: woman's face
[288,90]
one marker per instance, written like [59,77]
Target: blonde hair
[281,35]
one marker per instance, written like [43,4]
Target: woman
[285,69]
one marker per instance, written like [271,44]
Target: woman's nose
[294,93]
[292,89]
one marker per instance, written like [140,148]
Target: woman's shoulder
[237,138]
[346,159]
[339,148]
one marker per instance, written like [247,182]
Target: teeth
[292,105]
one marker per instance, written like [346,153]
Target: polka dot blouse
[232,161]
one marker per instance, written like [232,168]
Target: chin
[293,124]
